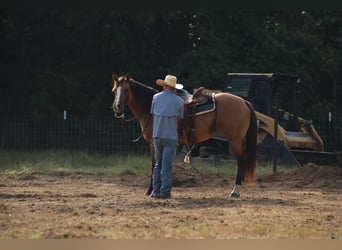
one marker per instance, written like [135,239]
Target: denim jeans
[165,151]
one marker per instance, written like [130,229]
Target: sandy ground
[305,203]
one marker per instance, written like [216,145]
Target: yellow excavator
[296,136]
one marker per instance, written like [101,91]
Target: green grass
[66,162]
[63,162]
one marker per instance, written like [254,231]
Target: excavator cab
[265,90]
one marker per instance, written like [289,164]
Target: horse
[233,117]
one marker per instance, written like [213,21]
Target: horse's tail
[251,146]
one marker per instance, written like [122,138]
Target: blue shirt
[166,109]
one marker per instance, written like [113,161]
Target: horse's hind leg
[238,155]
[238,181]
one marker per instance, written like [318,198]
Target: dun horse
[232,117]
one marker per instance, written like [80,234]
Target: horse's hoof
[234,195]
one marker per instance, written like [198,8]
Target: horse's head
[121,92]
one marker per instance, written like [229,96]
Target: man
[167,108]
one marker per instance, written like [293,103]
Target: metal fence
[91,134]
[95,134]
[332,136]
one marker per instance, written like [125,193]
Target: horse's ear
[128,77]
[115,77]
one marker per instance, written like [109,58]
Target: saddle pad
[207,107]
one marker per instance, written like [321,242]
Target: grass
[66,162]
[63,162]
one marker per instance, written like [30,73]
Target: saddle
[194,105]
[197,98]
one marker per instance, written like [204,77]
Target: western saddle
[186,127]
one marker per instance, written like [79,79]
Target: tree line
[63,60]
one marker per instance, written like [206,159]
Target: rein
[143,131]
[122,116]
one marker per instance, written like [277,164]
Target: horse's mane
[143,92]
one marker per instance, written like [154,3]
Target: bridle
[122,116]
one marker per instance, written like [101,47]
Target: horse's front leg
[153,159]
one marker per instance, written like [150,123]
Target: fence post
[275,138]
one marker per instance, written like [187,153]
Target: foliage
[62,60]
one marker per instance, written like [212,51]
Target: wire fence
[91,134]
[332,136]
[96,134]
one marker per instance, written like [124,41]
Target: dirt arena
[305,203]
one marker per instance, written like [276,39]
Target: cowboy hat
[171,81]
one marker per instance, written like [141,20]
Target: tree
[58,60]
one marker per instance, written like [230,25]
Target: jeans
[165,152]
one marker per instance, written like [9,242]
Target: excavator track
[319,158]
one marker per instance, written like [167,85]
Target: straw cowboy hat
[171,81]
